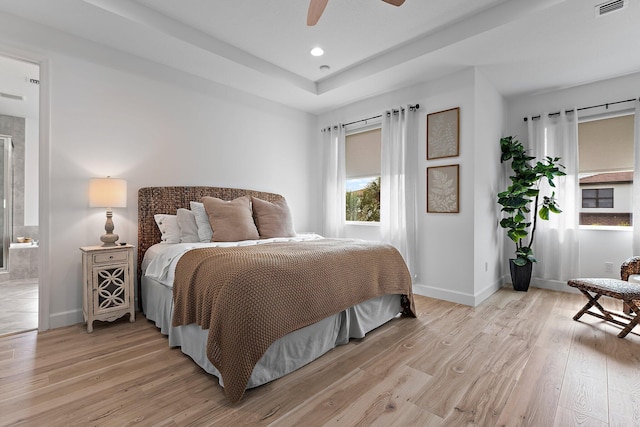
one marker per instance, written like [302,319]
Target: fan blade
[316,7]
[394,2]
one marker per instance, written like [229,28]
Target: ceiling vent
[611,6]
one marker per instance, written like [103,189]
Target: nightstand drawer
[110,257]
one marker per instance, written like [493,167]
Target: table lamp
[108,193]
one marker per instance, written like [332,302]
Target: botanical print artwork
[442,134]
[442,189]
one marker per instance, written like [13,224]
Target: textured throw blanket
[250,296]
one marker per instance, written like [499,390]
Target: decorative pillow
[168,225]
[231,221]
[205,233]
[272,219]
[187,225]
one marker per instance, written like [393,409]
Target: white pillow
[187,225]
[168,225]
[202,221]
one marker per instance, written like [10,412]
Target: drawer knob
[110,256]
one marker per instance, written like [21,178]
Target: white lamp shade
[107,193]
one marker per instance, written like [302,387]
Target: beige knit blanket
[250,296]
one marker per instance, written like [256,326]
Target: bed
[169,275]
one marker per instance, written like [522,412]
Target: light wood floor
[18,305]
[518,359]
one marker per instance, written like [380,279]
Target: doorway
[19,228]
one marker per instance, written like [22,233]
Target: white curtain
[398,189]
[556,241]
[636,182]
[333,143]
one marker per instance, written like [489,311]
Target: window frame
[598,199]
[367,126]
[601,113]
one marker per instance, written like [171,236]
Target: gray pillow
[188,226]
[205,233]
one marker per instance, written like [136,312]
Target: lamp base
[109,239]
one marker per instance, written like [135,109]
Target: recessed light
[325,68]
[317,51]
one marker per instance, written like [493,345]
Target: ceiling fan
[316,7]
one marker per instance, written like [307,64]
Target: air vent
[11,96]
[611,6]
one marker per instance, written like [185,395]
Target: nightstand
[107,283]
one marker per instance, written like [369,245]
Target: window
[605,152]
[362,162]
[597,198]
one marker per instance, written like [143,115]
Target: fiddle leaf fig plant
[521,200]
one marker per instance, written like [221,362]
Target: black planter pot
[520,275]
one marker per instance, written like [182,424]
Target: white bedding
[160,260]
[286,354]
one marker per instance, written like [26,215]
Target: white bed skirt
[287,354]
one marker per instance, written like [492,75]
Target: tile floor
[18,305]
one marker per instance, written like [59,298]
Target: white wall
[31,174]
[446,241]
[452,249]
[490,124]
[113,114]
[600,246]
[597,247]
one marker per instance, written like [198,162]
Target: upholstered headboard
[167,200]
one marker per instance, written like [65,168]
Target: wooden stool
[613,288]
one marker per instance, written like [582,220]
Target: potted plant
[520,215]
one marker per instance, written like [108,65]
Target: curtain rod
[584,108]
[411,108]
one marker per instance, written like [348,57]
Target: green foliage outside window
[364,204]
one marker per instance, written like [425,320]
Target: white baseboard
[477,299]
[552,285]
[68,318]
[444,294]
[487,292]
[65,318]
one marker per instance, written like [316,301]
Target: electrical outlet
[608,267]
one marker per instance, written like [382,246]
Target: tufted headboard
[167,200]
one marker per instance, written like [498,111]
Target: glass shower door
[5,199]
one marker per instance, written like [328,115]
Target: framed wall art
[443,189]
[443,129]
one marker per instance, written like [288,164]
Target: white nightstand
[107,283]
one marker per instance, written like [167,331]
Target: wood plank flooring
[516,360]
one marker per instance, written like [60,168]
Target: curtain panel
[556,242]
[333,143]
[398,182]
[636,181]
